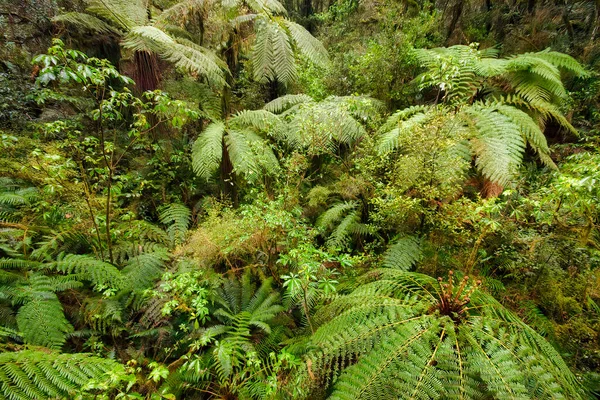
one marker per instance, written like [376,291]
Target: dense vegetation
[300,200]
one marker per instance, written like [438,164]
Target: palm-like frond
[102,274]
[240,153]
[37,374]
[276,39]
[42,322]
[321,127]
[192,59]
[177,217]
[282,103]
[306,43]
[123,13]
[87,22]
[207,152]
[498,145]
[403,254]
[392,336]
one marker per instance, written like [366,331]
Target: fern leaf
[86,21]
[308,45]
[282,103]
[41,321]
[207,151]
[36,374]
[403,254]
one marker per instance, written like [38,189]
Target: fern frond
[283,66]
[101,274]
[207,151]
[191,58]
[260,120]
[87,21]
[499,144]
[123,13]
[392,335]
[308,45]
[177,216]
[240,153]
[41,321]
[282,103]
[37,374]
[142,271]
[403,254]
[334,214]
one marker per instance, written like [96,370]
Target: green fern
[273,57]
[38,374]
[410,336]
[177,217]
[129,20]
[321,127]
[403,254]
[249,154]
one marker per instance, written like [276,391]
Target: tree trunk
[491,189]
[457,10]
[147,72]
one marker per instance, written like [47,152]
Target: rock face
[26,29]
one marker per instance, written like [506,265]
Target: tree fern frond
[562,61]
[341,234]
[308,45]
[499,144]
[262,51]
[334,214]
[177,216]
[403,254]
[86,21]
[404,335]
[41,321]
[207,151]
[283,66]
[101,274]
[260,120]
[282,103]
[240,153]
[192,59]
[142,271]
[31,374]
[123,13]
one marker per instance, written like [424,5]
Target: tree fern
[320,127]
[38,374]
[129,20]
[410,336]
[273,57]
[249,153]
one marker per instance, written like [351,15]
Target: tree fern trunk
[228,177]
[146,72]
[491,189]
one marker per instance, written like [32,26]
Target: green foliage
[239,139]
[130,21]
[30,374]
[403,254]
[321,127]
[498,129]
[117,237]
[396,324]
